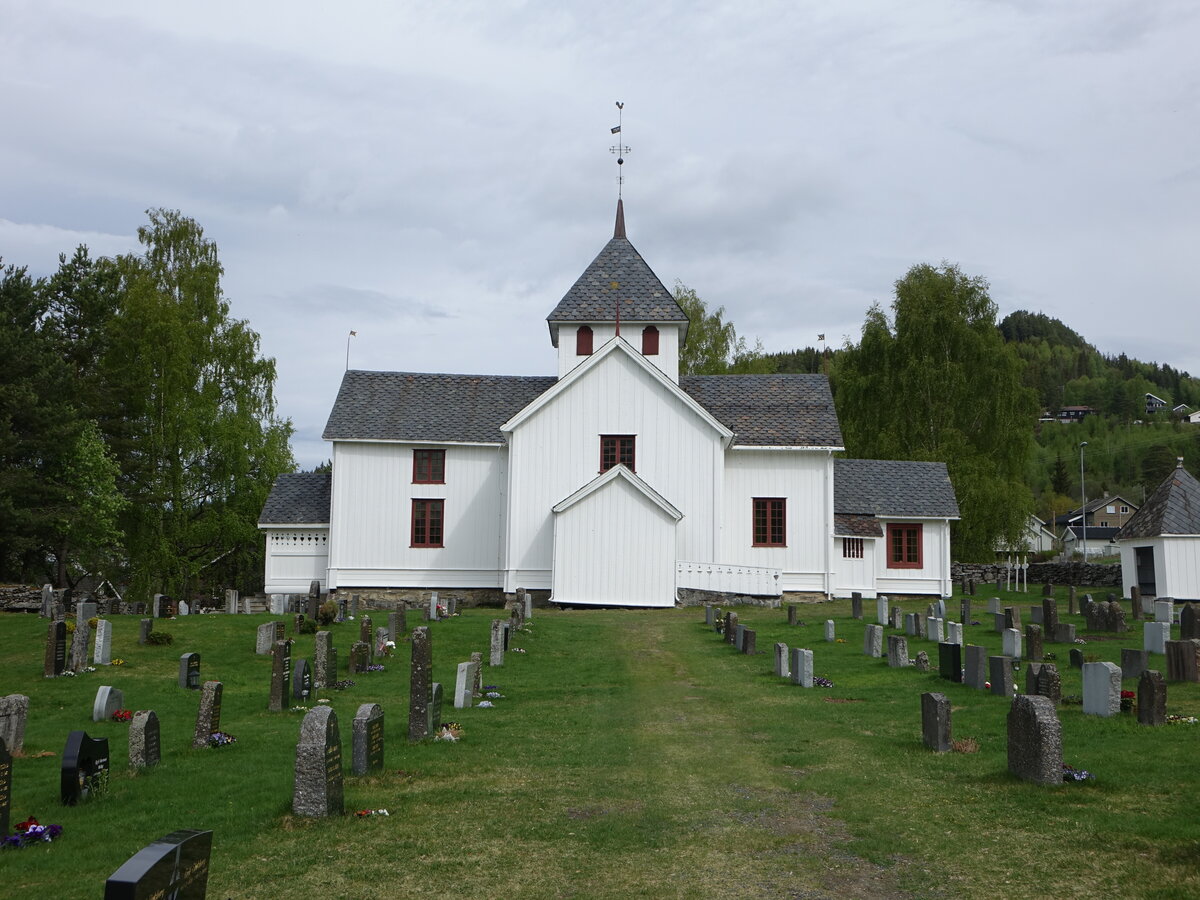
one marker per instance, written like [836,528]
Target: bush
[92,622]
[327,613]
[308,626]
[160,638]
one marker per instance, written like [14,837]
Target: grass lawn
[633,754]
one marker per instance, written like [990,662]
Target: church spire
[619,230]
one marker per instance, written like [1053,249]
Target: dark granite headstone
[367,739]
[189,671]
[964,610]
[935,721]
[364,630]
[208,717]
[1034,740]
[323,672]
[950,662]
[174,867]
[1000,674]
[313,607]
[144,745]
[84,767]
[477,681]
[1047,590]
[896,618]
[1135,602]
[731,621]
[1064,633]
[302,681]
[397,624]
[1076,658]
[856,604]
[281,675]
[1033,642]
[749,642]
[317,790]
[56,649]
[921,662]
[1134,662]
[792,614]
[360,657]
[1189,628]
[1152,698]
[1049,682]
[5,788]
[420,684]
[434,712]
[975,674]
[1049,615]
[1183,660]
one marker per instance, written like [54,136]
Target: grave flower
[450,731]
[375,667]
[1127,698]
[342,685]
[1181,720]
[30,832]
[118,662]
[122,715]
[495,695]
[363,813]
[221,739]
[484,704]
[1070,773]
[820,681]
[516,650]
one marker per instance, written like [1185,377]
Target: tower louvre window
[583,341]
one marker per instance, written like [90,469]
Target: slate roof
[1173,508]
[1095,533]
[297,498]
[769,410]
[418,406]
[893,488]
[856,526]
[1093,507]
[593,299]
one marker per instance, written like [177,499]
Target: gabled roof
[1095,533]
[1092,507]
[592,298]
[606,478]
[770,410]
[1173,508]
[298,498]
[418,406]
[893,488]
[845,525]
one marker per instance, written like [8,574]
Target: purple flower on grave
[1070,773]
[221,739]
[821,681]
[374,667]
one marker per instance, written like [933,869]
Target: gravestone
[366,754]
[976,669]
[1076,657]
[1152,698]
[281,675]
[464,680]
[145,626]
[477,682]
[144,744]
[1012,617]
[1047,590]
[1031,675]
[1189,628]
[1101,689]
[1155,636]
[1049,615]
[421,681]
[496,657]
[1049,682]
[1033,642]
[14,710]
[792,614]
[79,645]
[1064,633]
[873,641]
[46,611]
[364,630]
[1000,673]
[994,607]
[897,618]
[175,867]
[208,717]
[1133,662]
[302,681]
[102,655]
[954,633]
[56,649]
[830,631]
[108,700]
[434,712]
[1034,740]
[1164,611]
[277,604]
[781,661]
[897,651]
[5,788]
[317,790]
[1183,660]
[1135,602]
[950,662]
[935,721]
[360,657]
[397,624]
[856,604]
[881,610]
[709,615]
[1011,643]
[910,624]
[964,610]
[731,624]
[1036,615]
[184,609]
[801,666]
[999,623]
[298,623]
[921,661]
[749,641]
[313,606]
[324,668]
[739,637]
[84,769]
[934,630]
[156,606]
[265,639]
[189,671]
[246,610]
[231,602]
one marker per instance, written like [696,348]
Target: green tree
[88,533]
[713,346]
[940,384]
[1060,481]
[1157,464]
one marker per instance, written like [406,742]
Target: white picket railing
[755,580]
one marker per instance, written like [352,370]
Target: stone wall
[20,598]
[1077,573]
[418,598]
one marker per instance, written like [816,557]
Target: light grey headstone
[802,667]
[47,604]
[1155,636]
[830,631]
[246,606]
[940,608]
[433,605]
[910,624]
[108,700]
[366,753]
[318,786]
[14,710]
[873,641]
[1036,615]
[145,748]
[897,618]
[1164,611]
[739,638]
[934,630]
[1148,606]
[1101,689]
[897,651]
[496,657]
[994,606]
[102,656]
[709,614]
[528,605]
[231,602]
[1012,643]
[435,708]
[881,609]
[265,640]
[183,608]
[155,606]
[954,633]
[781,661]
[1034,740]
[464,681]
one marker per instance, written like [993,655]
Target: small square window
[770,522]
[852,548]
[617,449]
[427,519]
[429,467]
[904,546]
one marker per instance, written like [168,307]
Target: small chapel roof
[1173,508]
[769,410]
[893,488]
[592,298]
[297,498]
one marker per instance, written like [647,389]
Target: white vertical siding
[800,477]
[614,546]
[371,518]
[666,360]
[557,450]
[854,574]
[1181,564]
[295,558]
[934,575]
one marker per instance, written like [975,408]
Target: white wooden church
[615,482]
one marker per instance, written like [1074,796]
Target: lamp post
[1083,495]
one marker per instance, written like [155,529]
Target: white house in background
[1095,540]
[1154,403]
[1036,537]
[616,482]
[1193,418]
[1160,545]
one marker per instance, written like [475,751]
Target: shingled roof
[1173,508]
[592,298]
[769,410]
[893,488]
[297,498]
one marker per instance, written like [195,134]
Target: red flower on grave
[1127,695]
[22,827]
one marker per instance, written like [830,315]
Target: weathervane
[619,148]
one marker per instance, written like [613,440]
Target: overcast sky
[435,176]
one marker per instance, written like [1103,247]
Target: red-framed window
[852,548]
[904,546]
[427,519]
[583,341]
[429,467]
[770,522]
[617,448]
[649,341]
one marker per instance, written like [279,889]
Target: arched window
[649,341]
[583,341]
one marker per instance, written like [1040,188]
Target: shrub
[308,626]
[327,613]
[92,622]
[160,638]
